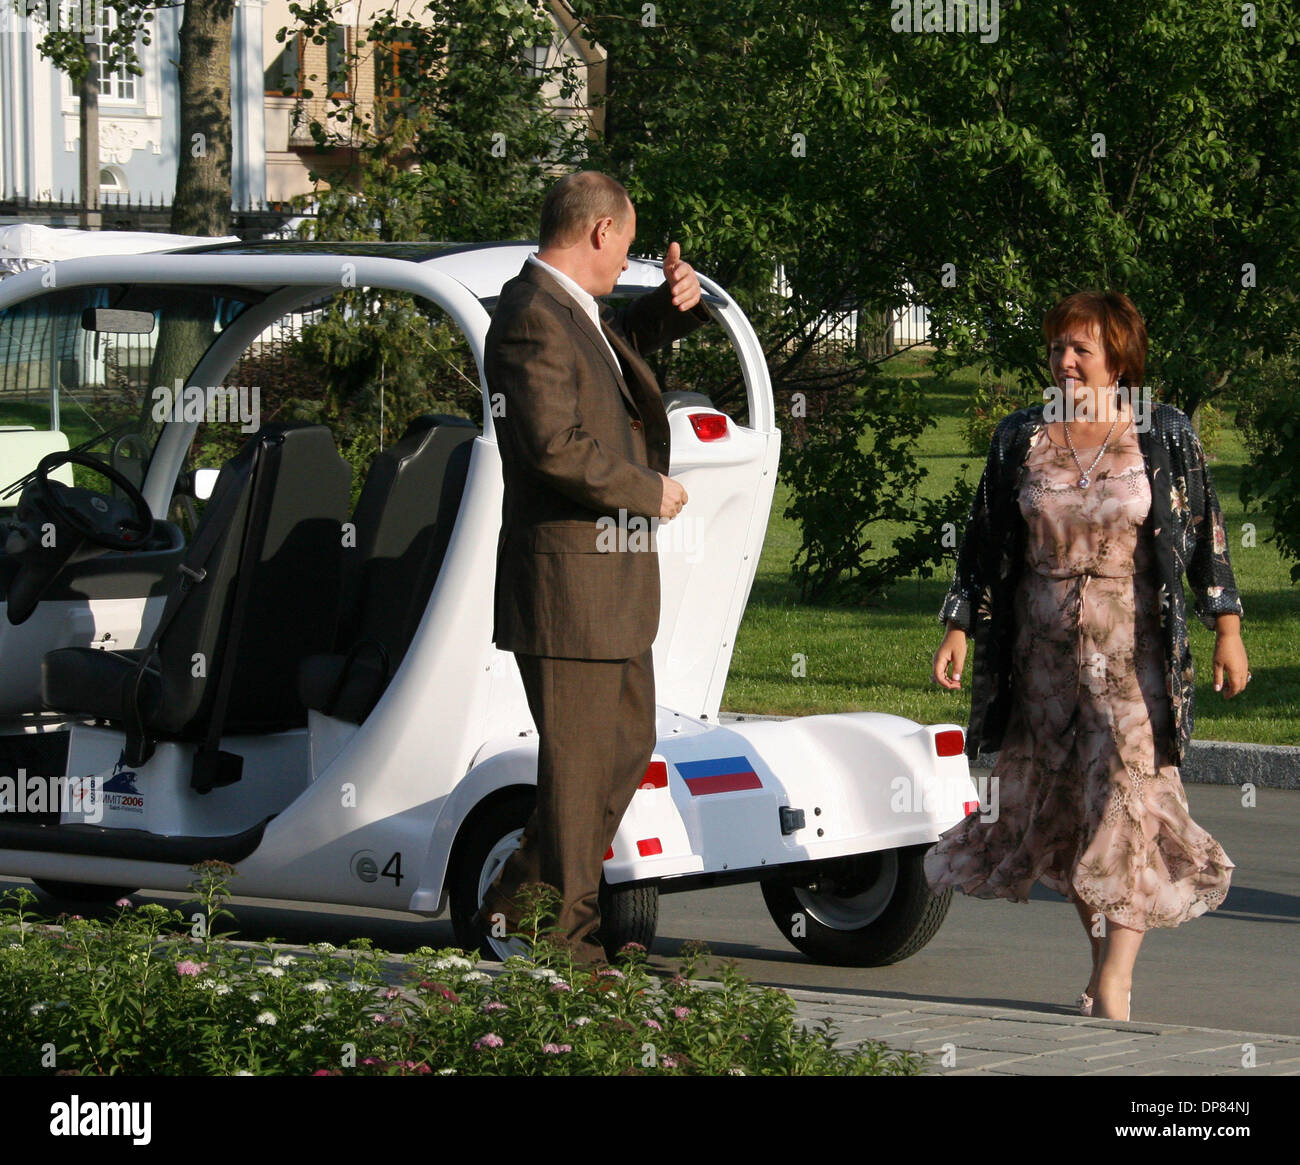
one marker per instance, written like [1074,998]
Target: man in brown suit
[583,436]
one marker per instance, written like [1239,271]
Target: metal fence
[877,333]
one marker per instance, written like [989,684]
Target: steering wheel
[105,521]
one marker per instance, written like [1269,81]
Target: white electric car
[307,688]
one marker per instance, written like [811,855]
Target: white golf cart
[307,689]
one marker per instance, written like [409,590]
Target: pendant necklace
[1085,475]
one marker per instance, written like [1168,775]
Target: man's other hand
[674,498]
[681,278]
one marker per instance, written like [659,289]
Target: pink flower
[632,947]
[653,1023]
[189,967]
[491,1040]
[560,987]
[681,1012]
[493,1005]
[610,973]
[123,902]
[556,1049]
[392,993]
[668,1061]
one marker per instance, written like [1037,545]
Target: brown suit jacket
[581,439]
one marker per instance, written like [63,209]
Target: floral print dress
[1088,800]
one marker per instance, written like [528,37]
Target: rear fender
[873,776]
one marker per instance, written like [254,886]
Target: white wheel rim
[836,912]
[496,858]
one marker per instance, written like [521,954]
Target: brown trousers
[596,731]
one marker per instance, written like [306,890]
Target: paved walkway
[969,1040]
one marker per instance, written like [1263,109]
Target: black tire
[627,914]
[81,891]
[864,911]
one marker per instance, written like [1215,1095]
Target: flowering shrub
[148,992]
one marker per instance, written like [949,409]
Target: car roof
[483,268]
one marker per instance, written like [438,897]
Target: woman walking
[1069,578]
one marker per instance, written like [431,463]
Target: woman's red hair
[1123,334]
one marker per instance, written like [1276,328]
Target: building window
[395,62]
[338,62]
[283,78]
[290,74]
[112,180]
[535,58]
[114,84]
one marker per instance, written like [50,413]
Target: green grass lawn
[877,658]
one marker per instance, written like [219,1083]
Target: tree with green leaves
[461,145]
[463,140]
[1150,147]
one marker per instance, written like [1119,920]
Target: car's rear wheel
[862,911]
[627,914]
[81,891]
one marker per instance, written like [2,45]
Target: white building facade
[139,117]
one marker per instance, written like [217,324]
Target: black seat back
[404,518]
[403,523]
[286,494]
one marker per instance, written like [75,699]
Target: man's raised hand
[681,278]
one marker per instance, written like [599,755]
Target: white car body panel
[453,727]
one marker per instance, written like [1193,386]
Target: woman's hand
[952,652]
[1231,671]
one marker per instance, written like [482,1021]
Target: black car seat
[403,522]
[258,590]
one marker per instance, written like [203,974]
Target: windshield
[88,362]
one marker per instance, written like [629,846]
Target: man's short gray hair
[577,201]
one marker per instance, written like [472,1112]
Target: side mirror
[205,481]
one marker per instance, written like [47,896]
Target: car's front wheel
[627,914]
[862,911]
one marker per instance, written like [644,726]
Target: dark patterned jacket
[1188,538]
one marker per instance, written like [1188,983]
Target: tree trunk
[88,92]
[202,202]
[201,205]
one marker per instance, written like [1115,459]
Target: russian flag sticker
[726,774]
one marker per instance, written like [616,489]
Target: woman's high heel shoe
[1085,1005]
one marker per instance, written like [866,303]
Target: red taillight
[609,853]
[656,776]
[949,742]
[709,426]
[649,847]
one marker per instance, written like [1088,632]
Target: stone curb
[988,1040]
[1209,762]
